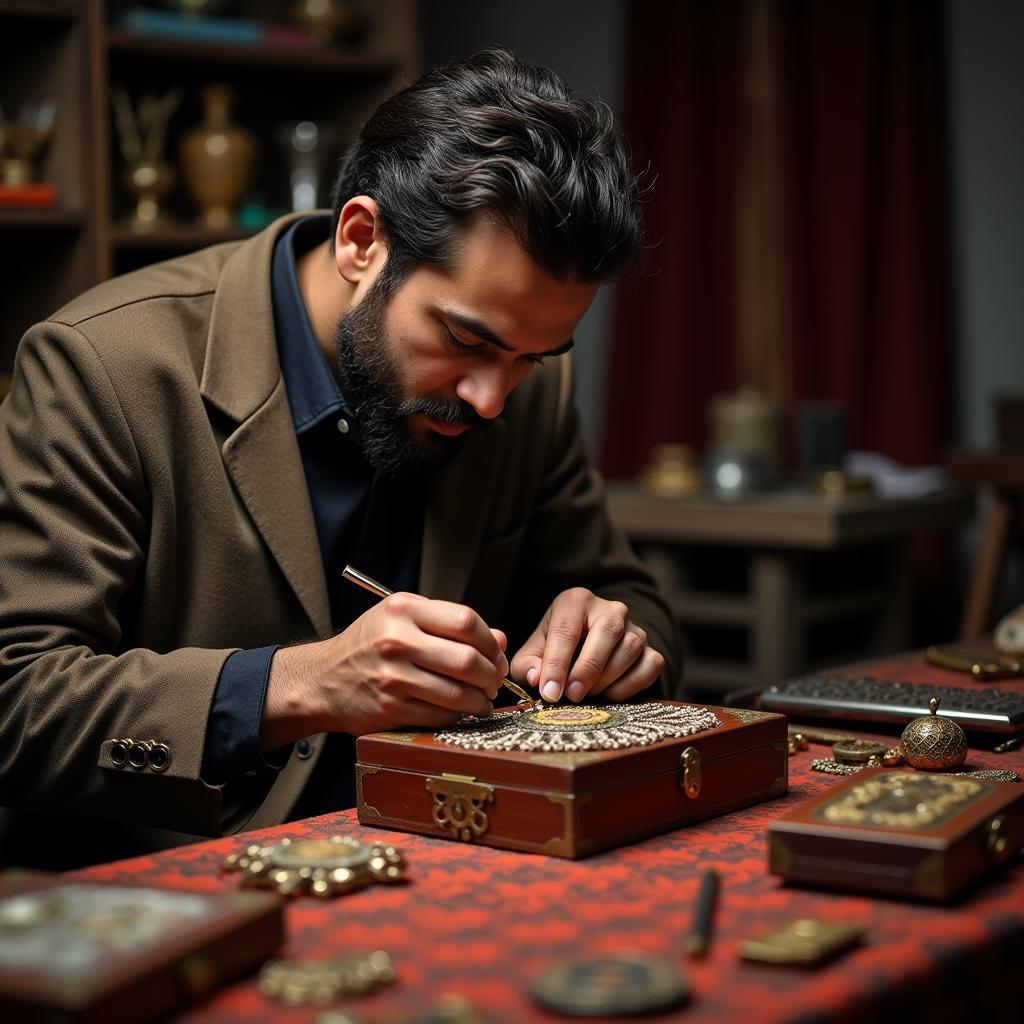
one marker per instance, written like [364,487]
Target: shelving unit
[72,52]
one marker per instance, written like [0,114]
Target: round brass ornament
[934,744]
[857,751]
[320,867]
[318,983]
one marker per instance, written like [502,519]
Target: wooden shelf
[64,10]
[36,218]
[176,237]
[76,51]
[299,58]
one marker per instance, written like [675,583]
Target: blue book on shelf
[191,27]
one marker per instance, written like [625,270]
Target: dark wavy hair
[496,135]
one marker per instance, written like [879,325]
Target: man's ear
[359,247]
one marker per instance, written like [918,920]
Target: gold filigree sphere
[934,744]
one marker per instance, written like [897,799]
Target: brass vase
[217,159]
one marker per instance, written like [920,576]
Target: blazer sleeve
[571,541]
[73,536]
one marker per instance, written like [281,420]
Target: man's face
[440,357]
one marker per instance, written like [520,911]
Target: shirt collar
[313,393]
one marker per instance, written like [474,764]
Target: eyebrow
[482,331]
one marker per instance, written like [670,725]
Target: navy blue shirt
[361,518]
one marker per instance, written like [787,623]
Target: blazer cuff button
[304,749]
[159,756]
[119,752]
[138,752]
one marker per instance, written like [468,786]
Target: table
[482,922]
[810,562]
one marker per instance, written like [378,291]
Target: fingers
[456,661]
[565,626]
[427,716]
[611,646]
[645,671]
[587,646]
[453,622]
[526,664]
[446,694]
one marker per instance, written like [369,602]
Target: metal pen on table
[360,579]
[699,939]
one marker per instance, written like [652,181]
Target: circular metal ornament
[616,986]
[578,727]
[575,717]
[321,982]
[320,867]
[857,751]
[934,744]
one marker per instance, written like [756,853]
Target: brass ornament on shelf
[24,141]
[319,867]
[934,744]
[142,133]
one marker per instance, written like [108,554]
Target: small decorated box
[899,832]
[85,952]
[568,781]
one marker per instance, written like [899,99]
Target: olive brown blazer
[154,518]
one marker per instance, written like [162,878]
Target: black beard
[371,382]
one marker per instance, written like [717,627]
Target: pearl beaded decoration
[580,727]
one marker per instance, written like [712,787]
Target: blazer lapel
[456,515]
[242,378]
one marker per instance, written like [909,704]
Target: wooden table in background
[782,533]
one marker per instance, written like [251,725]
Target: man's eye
[459,346]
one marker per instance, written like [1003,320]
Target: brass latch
[690,782]
[996,838]
[459,804]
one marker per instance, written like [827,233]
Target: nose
[486,389]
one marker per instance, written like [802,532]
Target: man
[192,453]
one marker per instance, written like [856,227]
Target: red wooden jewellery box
[570,803]
[900,832]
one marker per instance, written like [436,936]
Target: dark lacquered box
[89,952]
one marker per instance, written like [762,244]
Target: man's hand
[407,661]
[614,659]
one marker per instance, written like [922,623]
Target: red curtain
[866,245]
[673,325]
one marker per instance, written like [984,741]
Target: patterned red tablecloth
[481,923]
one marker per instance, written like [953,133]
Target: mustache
[454,411]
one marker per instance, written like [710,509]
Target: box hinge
[690,780]
[459,804]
